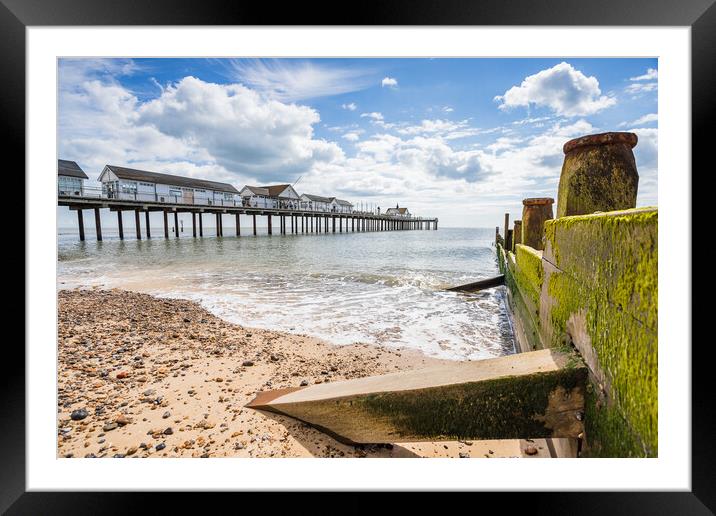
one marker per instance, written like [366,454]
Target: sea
[380,288]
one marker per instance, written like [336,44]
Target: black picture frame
[700,15]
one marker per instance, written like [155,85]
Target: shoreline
[149,371]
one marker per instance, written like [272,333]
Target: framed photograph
[427,233]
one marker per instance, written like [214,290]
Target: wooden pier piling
[81,225]
[98,224]
[166,224]
[146,220]
[176,224]
[201,225]
[193,224]
[119,225]
[254,217]
[238,225]
[137,225]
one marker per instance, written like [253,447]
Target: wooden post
[176,224]
[270,229]
[201,224]
[507,226]
[146,220]
[193,224]
[303,223]
[536,394]
[254,217]
[218,226]
[311,217]
[81,224]
[138,224]
[238,225]
[292,225]
[166,225]
[119,224]
[98,224]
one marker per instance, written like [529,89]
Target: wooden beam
[176,224]
[480,285]
[201,224]
[193,224]
[238,224]
[166,225]
[536,394]
[254,216]
[146,220]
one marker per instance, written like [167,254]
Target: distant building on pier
[315,202]
[341,206]
[398,211]
[141,185]
[272,196]
[70,178]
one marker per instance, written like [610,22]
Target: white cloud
[562,88]
[373,116]
[641,87]
[290,80]
[444,128]
[650,75]
[642,120]
[352,136]
[448,109]
[389,81]
[349,107]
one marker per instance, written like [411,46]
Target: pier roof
[318,198]
[156,177]
[342,202]
[70,168]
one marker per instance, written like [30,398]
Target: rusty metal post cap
[600,139]
[537,201]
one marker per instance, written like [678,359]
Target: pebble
[304,383]
[531,450]
[168,431]
[160,446]
[247,363]
[109,426]
[78,415]
[166,414]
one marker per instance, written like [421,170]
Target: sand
[150,377]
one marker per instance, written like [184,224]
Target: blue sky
[461,139]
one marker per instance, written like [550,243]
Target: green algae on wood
[537,394]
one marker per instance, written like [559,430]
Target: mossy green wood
[605,277]
[538,394]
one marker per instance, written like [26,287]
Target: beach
[150,377]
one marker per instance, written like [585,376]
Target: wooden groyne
[582,291]
[290,221]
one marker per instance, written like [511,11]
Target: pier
[288,221]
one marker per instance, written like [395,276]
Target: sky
[464,140]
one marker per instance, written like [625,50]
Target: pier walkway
[290,221]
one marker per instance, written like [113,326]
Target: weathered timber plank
[480,285]
[538,394]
